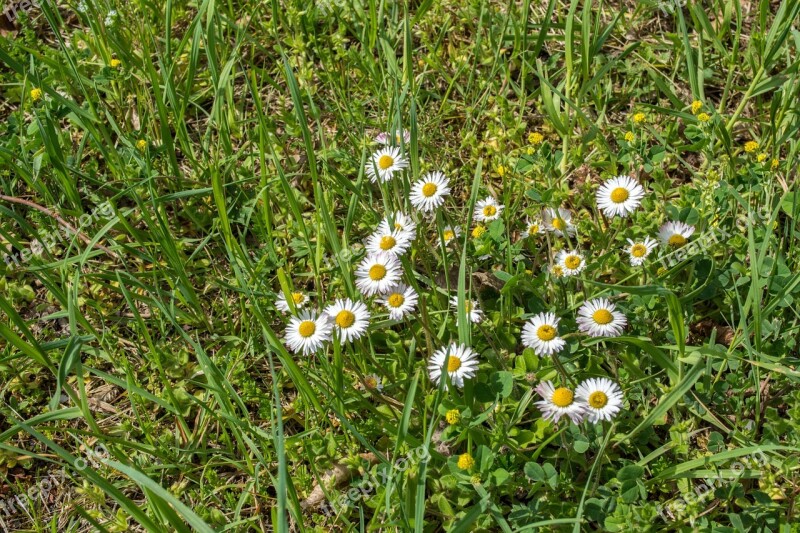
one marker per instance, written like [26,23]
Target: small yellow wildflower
[703,117]
[761,157]
[638,118]
[478,232]
[629,136]
[535,138]
[453,416]
[465,461]
[696,106]
[115,63]
[36,94]
[775,163]
[750,146]
[475,479]
[501,170]
[141,145]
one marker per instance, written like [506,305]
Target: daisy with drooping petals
[619,196]
[558,402]
[541,333]
[571,262]
[600,318]
[385,138]
[399,301]
[400,221]
[602,398]
[308,332]
[449,233]
[377,273]
[350,319]
[532,227]
[558,221]
[488,209]
[675,234]
[428,193]
[394,242]
[298,298]
[459,360]
[474,312]
[384,163]
[639,250]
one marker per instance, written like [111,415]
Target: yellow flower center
[448,234]
[370,382]
[453,416]
[562,397]
[468,305]
[387,242]
[429,189]
[306,328]
[377,272]
[453,363]
[598,399]
[619,195]
[298,298]
[677,240]
[489,211]
[345,318]
[559,224]
[385,162]
[533,228]
[638,250]
[572,262]
[602,316]
[478,231]
[546,332]
[395,300]
[465,461]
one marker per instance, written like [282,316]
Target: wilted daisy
[600,318]
[298,298]
[459,360]
[532,227]
[377,273]
[373,382]
[675,233]
[474,312]
[451,232]
[558,222]
[603,398]
[572,262]
[386,138]
[556,270]
[541,333]
[400,221]
[350,319]
[639,250]
[558,402]
[428,193]
[384,163]
[488,209]
[308,332]
[619,196]
[395,242]
[399,301]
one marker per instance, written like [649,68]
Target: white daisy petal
[299,299]
[638,250]
[533,227]
[559,222]
[600,318]
[675,234]
[399,221]
[473,310]
[619,196]
[450,233]
[541,333]
[395,139]
[349,319]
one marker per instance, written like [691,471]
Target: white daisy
[386,138]
[532,227]
[395,242]
[459,360]
[558,222]
[400,221]
[541,333]
[602,398]
[308,332]
[558,402]
[384,163]
[556,270]
[675,233]
[350,319]
[299,299]
[377,273]
[428,193]
[600,318]
[639,250]
[473,311]
[450,233]
[399,301]
[373,382]
[488,209]
[619,196]
[572,262]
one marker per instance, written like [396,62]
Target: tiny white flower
[299,299]
[399,301]
[474,312]
[602,397]
[533,227]
[488,209]
[428,193]
[458,360]
[308,332]
[384,163]
[450,233]
[619,196]
[541,333]
[639,250]
[385,138]
[571,262]
[377,273]
[675,234]
[373,382]
[559,222]
[558,402]
[400,221]
[350,319]
[395,242]
[600,318]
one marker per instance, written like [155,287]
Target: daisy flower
[350,319]
[394,242]
[451,232]
[384,163]
[558,222]
[308,332]
[385,138]
[299,299]
[675,233]
[373,382]
[640,249]
[571,262]
[488,209]
[532,227]
[602,397]
[428,193]
[461,363]
[541,333]
[558,402]
[474,312]
[600,318]
[556,270]
[619,196]
[377,273]
[399,301]
[400,221]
